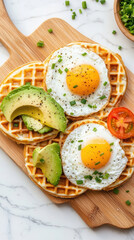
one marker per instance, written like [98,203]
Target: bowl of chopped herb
[124,16]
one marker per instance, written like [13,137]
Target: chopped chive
[128,202]
[16,124]
[40,43]
[72,141]
[27,83]
[111,144]
[49,90]
[50,30]
[75,86]
[90,106]
[111,149]
[100,173]
[59,56]
[95,129]
[101,154]
[80,140]
[106,176]
[79,182]
[53,65]
[97,0]
[94,106]
[42,160]
[120,47]
[72,103]
[73,15]
[71,9]
[97,163]
[97,179]
[115,190]
[83,101]
[127,191]
[60,60]
[84,5]
[114,32]
[79,147]
[80,11]
[64,94]
[71,113]
[60,71]
[84,54]
[88,177]
[67,3]
[66,69]
[95,172]
[102,97]
[105,83]
[102,1]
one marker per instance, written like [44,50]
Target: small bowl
[119,22]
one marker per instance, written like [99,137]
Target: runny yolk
[83,79]
[96,153]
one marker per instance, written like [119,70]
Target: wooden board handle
[9,34]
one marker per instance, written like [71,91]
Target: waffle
[126,144]
[34,73]
[64,189]
[117,77]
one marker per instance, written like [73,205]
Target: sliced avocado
[49,161]
[35,125]
[34,102]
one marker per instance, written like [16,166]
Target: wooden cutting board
[96,208]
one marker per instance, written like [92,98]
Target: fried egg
[78,80]
[92,157]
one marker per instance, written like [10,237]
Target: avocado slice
[49,161]
[34,102]
[35,125]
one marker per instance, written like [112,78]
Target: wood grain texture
[96,208]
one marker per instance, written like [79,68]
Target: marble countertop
[25,212]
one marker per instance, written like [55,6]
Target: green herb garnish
[53,65]
[84,54]
[120,47]
[50,30]
[80,11]
[90,106]
[95,129]
[16,124]
[88,177]
[102,97]
[60,60]
[67,3]
[111,149]
[111,144]
[127,14]
[66,69]
[49,90]
[72,113]
[106,176]
[79,147]
[127,191]
[114,32]
[40,44]
[97,163]
[73,15]
[95,172]
[83,101]
[79,181]
[128,202]
[72,141]
[64,94]
[72,103]
[84,5]
[60,71]
[115,190]
[105,83]
[102,1]
[42,160]
[94,106]
[80,140]
[97,179]
[75,86]
[101,154]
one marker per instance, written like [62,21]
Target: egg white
[72,57]
[73,167]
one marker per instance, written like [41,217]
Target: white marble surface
[25,212]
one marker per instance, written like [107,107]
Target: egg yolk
[96,153]
[83,79]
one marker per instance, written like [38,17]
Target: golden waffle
[64,189]
[117,77]
[33,73]
[126,144]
